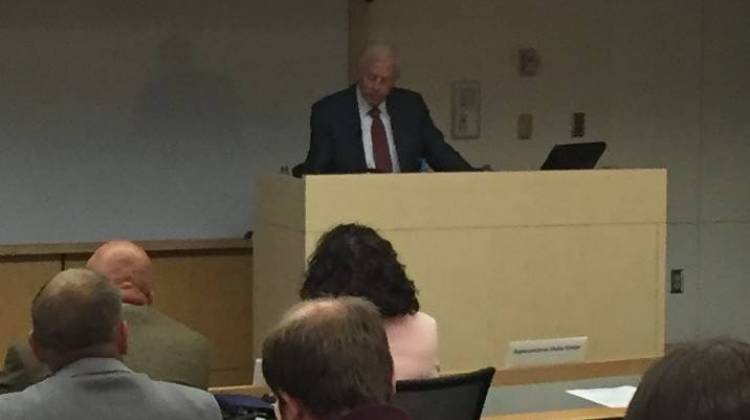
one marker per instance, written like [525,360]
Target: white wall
[724,236]
[152,121]
[663,82]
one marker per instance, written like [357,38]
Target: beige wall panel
[498,256]
[472,200]
[20,279]
[495,286]
[212,294]
[279,268]
[283,203]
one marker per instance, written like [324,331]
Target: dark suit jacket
[158,346]
[336,135]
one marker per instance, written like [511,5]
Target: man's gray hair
[375,52]
[76,310]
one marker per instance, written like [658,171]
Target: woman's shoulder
[417,321]
[424,319]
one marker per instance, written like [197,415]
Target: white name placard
[546,351]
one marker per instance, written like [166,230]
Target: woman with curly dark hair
[353,260]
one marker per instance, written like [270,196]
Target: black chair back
[451,397]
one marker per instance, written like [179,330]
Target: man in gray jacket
[79,333]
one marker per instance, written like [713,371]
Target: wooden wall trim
[572,371]
[594,413]
[150,246]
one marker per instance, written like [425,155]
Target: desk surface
[540,401]
[252,390]
[574,414]
[546,397]
[590,413]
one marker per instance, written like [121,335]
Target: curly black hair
[353,260]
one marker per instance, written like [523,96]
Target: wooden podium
[496,256]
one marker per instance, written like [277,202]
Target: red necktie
[379,143]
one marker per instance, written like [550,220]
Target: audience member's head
[327,357]
[127,266]
[353,260]
[77,315]
[707,380]
[378,72]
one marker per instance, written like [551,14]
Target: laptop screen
[574,156]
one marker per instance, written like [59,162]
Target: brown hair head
[705,380]
[76,314]
[331,355]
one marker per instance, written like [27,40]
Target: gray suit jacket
[158,346]
[105,389]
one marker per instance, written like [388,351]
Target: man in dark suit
[373,126]
[159,346]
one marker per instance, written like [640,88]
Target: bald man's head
[128,267]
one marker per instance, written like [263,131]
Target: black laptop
[574,156]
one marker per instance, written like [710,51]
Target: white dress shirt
[366,123]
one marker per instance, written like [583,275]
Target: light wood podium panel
[280,227]
[496,257]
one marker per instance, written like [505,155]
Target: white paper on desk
[616,397]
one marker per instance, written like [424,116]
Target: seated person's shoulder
[190,399]
[417,328]
[419,321]
[19,354]
[15,404]
[167,349]
[424,320]
[21,369]
[166,330]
